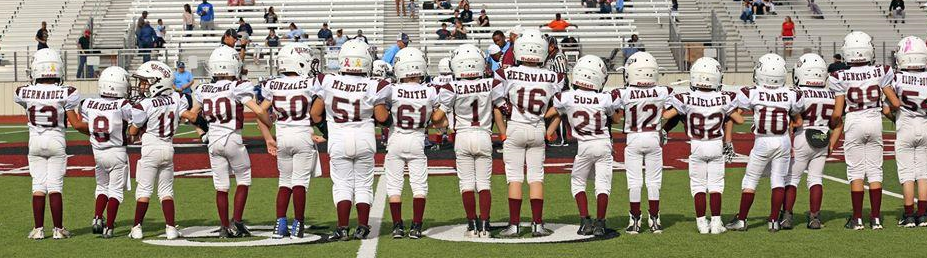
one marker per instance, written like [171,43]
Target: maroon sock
[418,210]
[537,210]
[299,203]
[395,210]
[140,209]
[38,211]
[700,205]
[778,196]
[469,204]
[715,204]
[222,205]
[875,202]
[241,198]
[167,207]
[635,209]
[485,204]
[857,197]
[653,207]
[112,207]
[514,211]
[909,210]
[582,204]
[344,213]
[746,200]
[601,206]
[283,201]
[57,209]
[100,205]
[921,207]
[816,195]
[790,195]
[363,214]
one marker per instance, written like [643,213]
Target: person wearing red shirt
[558,24]
[788,34]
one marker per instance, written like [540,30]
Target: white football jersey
[159,117]
[862,86]
[223,106]
[589,112]
[705,112]
[470,102]
[292,98]
[772,108]
[45,106]
[912,91]
[643,107]
[529,90]
[818,106]
[411,105]
[442,79]
[349,100]
[108,120]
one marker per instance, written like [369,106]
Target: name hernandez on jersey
[349,100]
[411,105]
[291,98]
[818,106]
[471,102]
[705,112]
[588,112]
[772,108]
[108,121]
[529,90]
[159,117]
[643,107]
[46,105]
[911,88]
[862,86]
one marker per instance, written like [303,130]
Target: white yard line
[15,132]
[368,247]
[844,181]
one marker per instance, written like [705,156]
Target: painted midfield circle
[455,233]
[191,233]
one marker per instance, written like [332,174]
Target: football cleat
[399,230]
[37,233]
[634,225]
[585,227]
[655,226]
[280,229]
[511,231]
[907,221]
[225,232]
[241,230]
[736,224]
[361,232]
[97,225]
[773,226]
[107,233]
[483,228]
[298,229]
[538,230]
[60,233]
[171,232]
[854,224]
[598,228]
[876,223]
[786,220]
[415,231]
[716,225]
[922,221]
[472,231]
[136,232]
[340,233]
[702,224]
[814,222]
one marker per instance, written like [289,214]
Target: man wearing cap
[324,32]
[183,79]
[508,51]
[494,57]
[401,42]
[83,43]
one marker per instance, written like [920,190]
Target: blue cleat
[298,229]
[280,229]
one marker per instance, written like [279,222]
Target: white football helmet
[706,74]
[354,57]
[224,61]
[444,66]
[857,48]
[410,62]
[114,82]
[770,71]
[381,69]
[468,62]
[911,54]
[531,47]
[641,69]
[590,73]
[295,58]
[154,78]
[810,70]
[46,64]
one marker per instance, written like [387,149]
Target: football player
[413,106]
[859,92]
[108,120]
[911,143]
[473,101]
[706,109]
[49,105]
[529,88]
[159,113]
[222,102]
[589,111]
[445,75]
[775,108]
[811,144]
[382,70]
[347,100]
[642,102]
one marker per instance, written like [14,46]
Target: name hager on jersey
[108,120]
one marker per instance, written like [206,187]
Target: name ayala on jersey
[643,93]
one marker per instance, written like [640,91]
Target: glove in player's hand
[728,152]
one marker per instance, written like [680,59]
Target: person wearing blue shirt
[183,79]
[207,15]
[390,54]
[146,39]
[324,32]
[494,57]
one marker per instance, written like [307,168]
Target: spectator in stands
[146,40]
[390,55]
[758,7]
[569,44]
[619,6]
[838,64]
[160,31]
[443,33]
[605,6]
[460,31]
[633,46]
[770,7]
[483,19]
[401,6]
[244,27]
[142,20]
[272,40]
[270,17]
[233,3]
[466,15]
[494,57]
[360,36]
[675,5]
[815,10]
[207,16]
[747,14]
[558,24]
[340,38]
[41,36]
[295,33]
[413,9]
[508,52]
[183,79]
[83,43]
[330,42]
[443,4]
[188,21]
[324,32]
[589,3]
[788,35]
[454,19]
[897,11]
